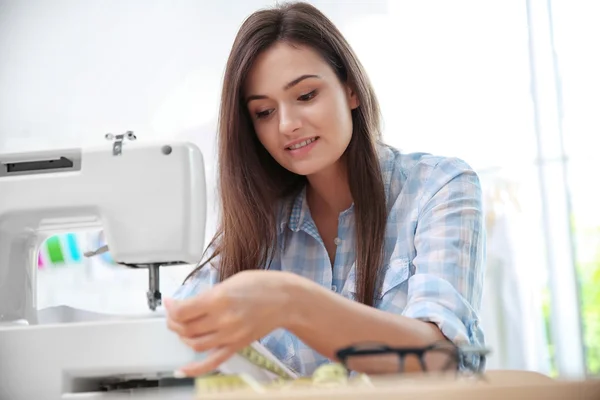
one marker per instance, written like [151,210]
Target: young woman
[327,237]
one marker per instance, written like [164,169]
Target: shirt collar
[298,211]
[291,213]
[297,207]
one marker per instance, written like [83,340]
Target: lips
[301,144]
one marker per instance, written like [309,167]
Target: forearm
[327,322]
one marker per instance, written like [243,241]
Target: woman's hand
[230,316]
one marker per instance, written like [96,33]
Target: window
[576,38]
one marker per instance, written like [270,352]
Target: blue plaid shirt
[434,250]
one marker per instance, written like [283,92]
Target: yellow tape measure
[258,359]
[219,383]
[327,375]
[330,374]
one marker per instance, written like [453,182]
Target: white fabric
[511,314]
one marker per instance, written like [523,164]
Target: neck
[328,190]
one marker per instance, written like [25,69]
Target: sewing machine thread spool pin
[118,141]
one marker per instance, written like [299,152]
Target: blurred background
[510,86]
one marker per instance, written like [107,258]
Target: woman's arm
[327,322]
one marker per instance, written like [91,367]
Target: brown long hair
[252,184]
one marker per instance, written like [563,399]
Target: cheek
[337,120]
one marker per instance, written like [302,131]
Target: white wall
[452,76]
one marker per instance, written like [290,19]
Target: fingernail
[179,374]
[168,303]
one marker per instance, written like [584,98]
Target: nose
[289,120]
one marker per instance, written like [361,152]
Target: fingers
[198,327]
[203,343]
[232,336]
[187,309]
[210,363]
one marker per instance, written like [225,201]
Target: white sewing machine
[150,201]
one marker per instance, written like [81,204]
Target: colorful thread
[64,249]
[55,250]
[73,248]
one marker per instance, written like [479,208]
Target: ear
[353,101]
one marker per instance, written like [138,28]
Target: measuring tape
[258,359]
[327,375]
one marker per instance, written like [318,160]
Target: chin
[308,168]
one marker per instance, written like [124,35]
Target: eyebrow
[286,87]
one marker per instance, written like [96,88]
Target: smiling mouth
[302,144]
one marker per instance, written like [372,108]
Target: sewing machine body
[67,360]
[149,199]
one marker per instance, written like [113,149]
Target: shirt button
[334,288]
[337,241]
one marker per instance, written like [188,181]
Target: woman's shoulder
[419,172]
[407,163]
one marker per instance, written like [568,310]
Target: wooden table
[498,385]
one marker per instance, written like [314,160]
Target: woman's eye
[308,96]
[263,114]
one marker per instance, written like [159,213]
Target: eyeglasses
[440,356]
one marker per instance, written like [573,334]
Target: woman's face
[300,110]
